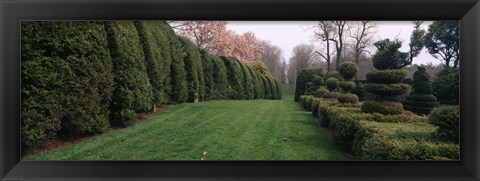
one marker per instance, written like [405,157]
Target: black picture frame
[14,11]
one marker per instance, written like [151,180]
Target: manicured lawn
[212,130]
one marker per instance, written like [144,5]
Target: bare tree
[338,40]
[361,36]
[272,58]
[324,31]
[303,56]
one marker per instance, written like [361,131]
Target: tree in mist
[361,34]
[442,42]
[303,56]
[272,58]
[416,41]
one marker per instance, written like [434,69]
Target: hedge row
[405,136]
[80,77]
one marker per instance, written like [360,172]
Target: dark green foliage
[385,90]
[66,80]
[408,81]
[247,82]
[258,84]
[306,75]
[317,80]
[279,89]
[422,87]
[271,82]
[333,74]
[442,41]
[348,70]
[132,92]
[208,71]
[447,119]
[220,78]
[348,98]
[388,56]
[382,107]
[235,78]
[267,87]
[386,76]
[422,98]
[193,69]
[347,86]
[179,87]
[331,95]
[156,48]
[332,83]
[446,85]
[421,82]
[320,92]
[359,91]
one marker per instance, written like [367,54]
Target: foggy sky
[288,34]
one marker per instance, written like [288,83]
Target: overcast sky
[288,34]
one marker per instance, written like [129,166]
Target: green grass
[225,130]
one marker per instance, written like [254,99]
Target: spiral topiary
[421,100]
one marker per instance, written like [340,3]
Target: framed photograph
[247,90]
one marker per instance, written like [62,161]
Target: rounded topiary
[348,70]
[331,95]
[317,80]
[320,92]
[359,91]
[333,74]
[446,118]
[303,77]
[348,98]
[332,83]
[386,76]
[347,86]
[382,107]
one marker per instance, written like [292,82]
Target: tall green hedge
[193,69]
[273,88]
[257,87]
[208,71]
[66,80]
[248,82]
[268,87]
[132,92]
[220,79]
[279,90]
[178,77]
[306,75]
[235,78]
[155,43]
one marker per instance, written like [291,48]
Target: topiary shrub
[387,90]
[66,80]
[256,84]
[248,82]
[267,86]
[306,75]
[156,48]
[332,84]
[320,92]
[271,83]
[317,80]
[347,86]
[331,95]
[386,76]
[132,92]
[447,119]
[348,70]
[235,78]
[193,68]
[382,107]
[359,91]
[421,86]
[348,98]
[178,88]
[333,74]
